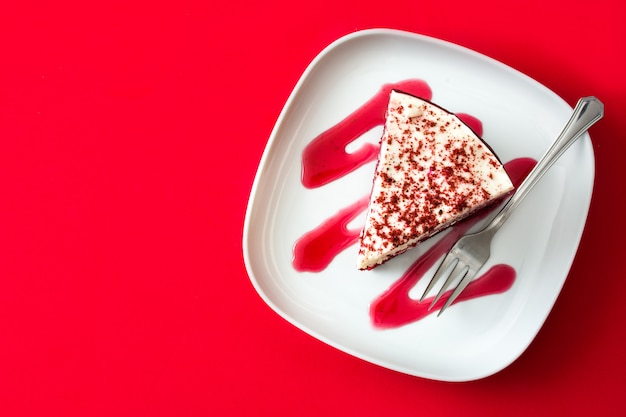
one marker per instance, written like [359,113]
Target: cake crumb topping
[432,171]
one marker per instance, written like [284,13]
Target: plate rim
[271,143]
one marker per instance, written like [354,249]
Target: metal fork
[471,251]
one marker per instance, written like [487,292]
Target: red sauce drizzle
[315,250]
[325,158]
[395,307]
[474,124]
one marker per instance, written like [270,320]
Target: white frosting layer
[432,171]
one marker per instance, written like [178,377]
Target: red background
[130,133]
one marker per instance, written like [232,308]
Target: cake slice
[432,171]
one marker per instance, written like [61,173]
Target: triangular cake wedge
[432,171]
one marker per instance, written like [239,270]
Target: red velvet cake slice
[432,171]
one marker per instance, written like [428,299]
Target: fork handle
[588,111]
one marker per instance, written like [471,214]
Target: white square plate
[520,117]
